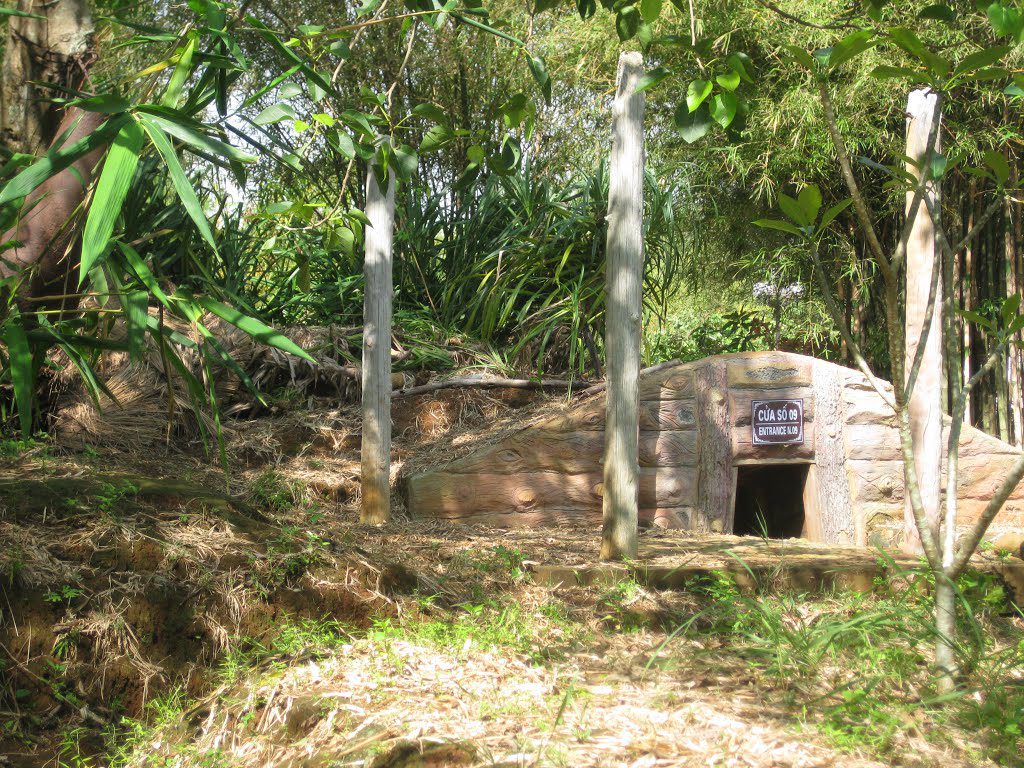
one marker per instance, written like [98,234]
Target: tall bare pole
[376,439]
[970,297]
[624,278]
[924,308]
[1011,244]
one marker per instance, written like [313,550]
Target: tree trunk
[925,404]
[1016,352]
[1012,288]
[49,243]
[53,50]
[952,295]
[624,307]
[375,452]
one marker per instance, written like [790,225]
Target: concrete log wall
[694,434]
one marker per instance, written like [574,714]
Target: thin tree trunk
[376,439]
[925,404]
[994,416]
[967,278]
[1016,352]
[953,296]
[843,295]
[623,314]
[1014,397]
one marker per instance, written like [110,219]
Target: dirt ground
[145,598]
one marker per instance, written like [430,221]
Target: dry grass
[443,652]
[377,701]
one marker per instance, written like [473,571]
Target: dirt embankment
[127,572]
[157,612]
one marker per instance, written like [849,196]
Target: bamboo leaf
[182,185]
[107,103]
[56,160]
[312,76]
[4,11]
[136,313]
[22,371]
[181,72]
[190,132]
[144,274]
[111,189]
[255,328]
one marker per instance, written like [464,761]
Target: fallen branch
[644,371]
[492,383]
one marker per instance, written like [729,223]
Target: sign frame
[781,402]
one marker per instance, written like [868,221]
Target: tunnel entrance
[770,500]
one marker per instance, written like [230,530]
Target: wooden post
[926,400]
[624,278]
[375,451]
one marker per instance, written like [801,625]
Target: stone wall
[694,433]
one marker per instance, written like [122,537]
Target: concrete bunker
[808,445]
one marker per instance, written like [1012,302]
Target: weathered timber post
[923,282]
[624,277]
[375,452]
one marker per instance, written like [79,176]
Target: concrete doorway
[770,500]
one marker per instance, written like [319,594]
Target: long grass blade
[111,190]
[179,179]
[20,360]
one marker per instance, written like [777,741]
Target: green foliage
[739,330]
[863,659]
[523,267]
[271,491]
[161,136]
[110,495]
[63,594]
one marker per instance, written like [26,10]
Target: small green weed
[275,493]
[63,594]
[70,753]
[14,448]
[311,638]
[614,605]
[110,495]
[497,560]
